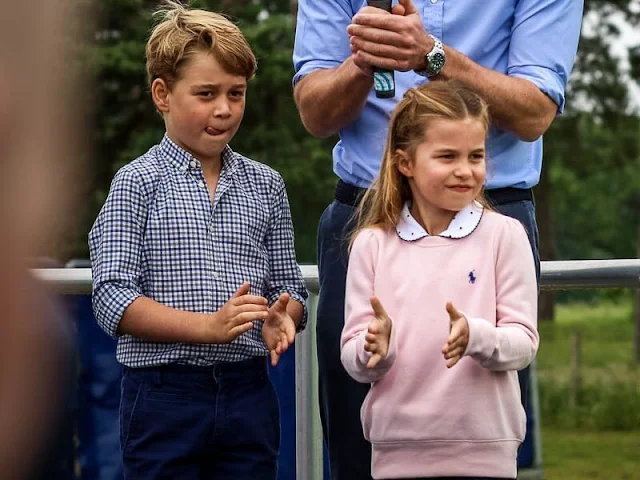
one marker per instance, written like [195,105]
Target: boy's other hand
[378,334]
[236,316]
[458,336]
[279,329]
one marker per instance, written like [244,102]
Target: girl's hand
[458,336]
[378,334]
[279,329]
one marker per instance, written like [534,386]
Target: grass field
[610,452]
[607,334]
[580,455]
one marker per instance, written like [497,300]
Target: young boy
[195,271]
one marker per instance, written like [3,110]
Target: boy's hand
[279,329]
[236,316]
[378,334]
[458,336]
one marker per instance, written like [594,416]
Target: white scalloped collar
[464,222]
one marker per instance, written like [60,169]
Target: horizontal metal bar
[578,274]
[556,275]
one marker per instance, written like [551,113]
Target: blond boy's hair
[183,31]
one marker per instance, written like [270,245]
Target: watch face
[436,62]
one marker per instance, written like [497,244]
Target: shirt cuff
[312,66]
[109,306]
[547,80]
[297,296]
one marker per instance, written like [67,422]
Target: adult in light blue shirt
[517,54]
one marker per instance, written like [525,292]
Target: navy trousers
[340,396]
[220,422]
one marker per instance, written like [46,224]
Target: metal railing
[559,275]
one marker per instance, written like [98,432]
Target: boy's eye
[237,93]
[205,94]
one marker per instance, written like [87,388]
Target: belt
[348,194]
[501,196]
[351,195]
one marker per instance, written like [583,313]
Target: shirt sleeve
[115,245]
[284,272]
[513,342]
[359,313]
[544,42]
[321,35]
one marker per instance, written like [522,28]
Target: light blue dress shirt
[531,39]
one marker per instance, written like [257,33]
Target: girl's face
[448,168]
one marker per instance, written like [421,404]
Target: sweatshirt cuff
[482,338]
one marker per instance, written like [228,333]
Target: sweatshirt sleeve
[359,313]
[513,342]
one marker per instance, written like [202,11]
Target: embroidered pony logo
[472,277]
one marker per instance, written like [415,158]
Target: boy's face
[204,109]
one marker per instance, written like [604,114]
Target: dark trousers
[340,396]
[220,422]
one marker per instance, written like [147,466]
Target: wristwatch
[434,60]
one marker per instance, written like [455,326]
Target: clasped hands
[395,40]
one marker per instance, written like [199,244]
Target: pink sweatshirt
[424,419]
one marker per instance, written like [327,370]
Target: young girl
[441,299]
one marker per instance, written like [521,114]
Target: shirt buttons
[201,184]
[193,164]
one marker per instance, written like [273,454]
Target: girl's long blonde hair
[382,203]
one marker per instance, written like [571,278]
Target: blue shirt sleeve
[321,35]
[115,245]
[544,41]
[284,272]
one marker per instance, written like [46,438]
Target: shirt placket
[432,11]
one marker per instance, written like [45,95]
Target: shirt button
[216,275]
[433,2]
[184,168]
[201,184]
[193,164]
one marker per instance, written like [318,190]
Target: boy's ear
[160,94]
[405,165]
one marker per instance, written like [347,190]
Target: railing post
[309,459]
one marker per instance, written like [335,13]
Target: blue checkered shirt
[159,235]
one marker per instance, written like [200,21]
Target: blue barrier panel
[98,394]
[283,377]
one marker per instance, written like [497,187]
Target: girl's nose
[463,170]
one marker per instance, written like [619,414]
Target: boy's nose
[222,108]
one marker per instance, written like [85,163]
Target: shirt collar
[463,223]
[183,161]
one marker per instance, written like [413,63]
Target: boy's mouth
[214,131]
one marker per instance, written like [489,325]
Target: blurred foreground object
[39,158]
